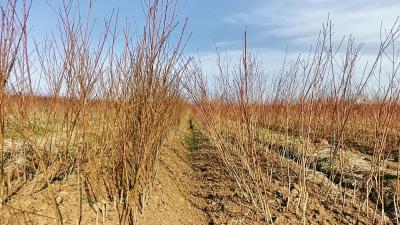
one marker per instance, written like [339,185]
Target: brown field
[138,136]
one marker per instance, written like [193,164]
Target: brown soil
[192,188]
[223,202]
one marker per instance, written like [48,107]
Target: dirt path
[217,193]
[172,200]
[194,188]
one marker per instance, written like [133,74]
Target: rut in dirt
[216,192]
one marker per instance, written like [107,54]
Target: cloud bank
[296,24]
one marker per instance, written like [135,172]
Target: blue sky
[272,25]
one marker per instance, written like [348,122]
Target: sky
[273,26]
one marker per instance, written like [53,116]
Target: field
[135,133]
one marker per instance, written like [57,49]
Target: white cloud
[297,24]
[272,61]
[300,21]
[227,43]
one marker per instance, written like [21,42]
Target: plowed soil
[193,187]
